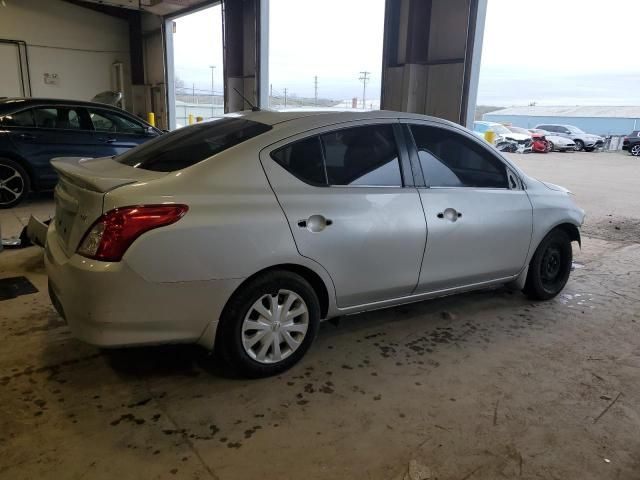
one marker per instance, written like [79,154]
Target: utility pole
[285,98]
[212,67]
[270,93]
[364,78]
[315,86]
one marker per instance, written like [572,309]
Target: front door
[350,209]
[478,215]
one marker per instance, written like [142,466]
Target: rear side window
[303,159]
[449,159]
[362,156]
[59,118]
[187,146]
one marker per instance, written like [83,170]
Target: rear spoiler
[101,174]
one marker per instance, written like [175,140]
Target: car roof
[484,122]
[323,117]
[11,103]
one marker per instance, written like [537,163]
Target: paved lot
[480,386]
[606,185]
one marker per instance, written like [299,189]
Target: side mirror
[150,131]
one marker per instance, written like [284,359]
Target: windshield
[187,146]
[499,129]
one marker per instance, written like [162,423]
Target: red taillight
[111,235]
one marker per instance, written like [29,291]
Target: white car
[243,233]
[504,134]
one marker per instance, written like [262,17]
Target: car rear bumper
[110,305]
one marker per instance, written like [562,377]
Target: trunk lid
[79,195]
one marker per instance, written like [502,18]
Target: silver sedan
[243,233]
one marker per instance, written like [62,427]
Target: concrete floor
[480,386]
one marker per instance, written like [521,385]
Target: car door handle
[27,136]
[107,140]
[315,223]
[450,214]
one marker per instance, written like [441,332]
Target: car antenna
[253,107]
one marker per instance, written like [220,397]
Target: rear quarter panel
[233,229]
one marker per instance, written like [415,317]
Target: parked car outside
[35,130]
[631,143]
[523,131]
[556,142]
[583,141]
[503,134]
[242,233]
[540,143]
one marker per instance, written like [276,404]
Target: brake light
[114,232]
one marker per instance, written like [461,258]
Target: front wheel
[550,146]
[579,145]
[635,150]
[14,183]
[269,324]
[550,267]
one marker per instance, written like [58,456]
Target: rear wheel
[14,183]
[635,150]
[579,145]
[550,267]
[269,324]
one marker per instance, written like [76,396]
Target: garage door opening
[194,65]
[326,55]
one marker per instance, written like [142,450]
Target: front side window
[59,118]
[449,159]
[362,156]
[304,160]
[105,121]
[187,146]
[19,119]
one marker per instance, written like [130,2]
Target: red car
[540,143]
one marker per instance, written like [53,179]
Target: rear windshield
[187,146]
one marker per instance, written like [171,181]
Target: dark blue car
[35,130]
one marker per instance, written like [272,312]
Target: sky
[335,42]
[561,52]
[552,52]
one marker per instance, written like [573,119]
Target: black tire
[551,146]
[590,149]
[550,266]
[635,150]
[229,339]
[13,177]
[579,145]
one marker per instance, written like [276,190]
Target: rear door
[479,217]
[348,195]
[117,133]
[58,131]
